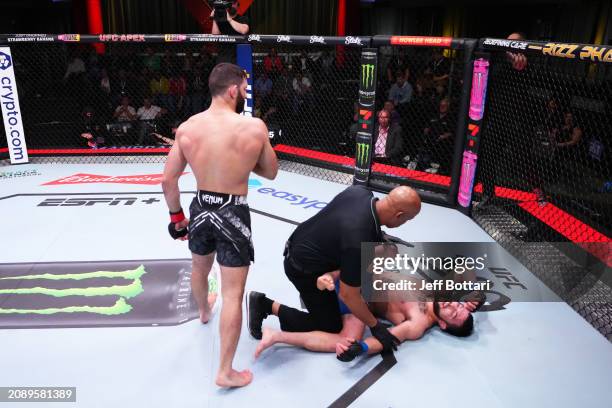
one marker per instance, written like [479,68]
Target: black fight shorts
[221,222]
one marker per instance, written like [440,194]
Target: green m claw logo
[363,152]
[367,75]
[121,306]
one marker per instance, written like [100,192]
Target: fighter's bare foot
[267,340]
[207,313]
[234,378]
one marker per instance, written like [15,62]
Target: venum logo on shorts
[316,39]
[283,38]
[83,178]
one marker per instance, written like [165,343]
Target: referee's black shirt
[332,239]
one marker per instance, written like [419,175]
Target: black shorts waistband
[219,200]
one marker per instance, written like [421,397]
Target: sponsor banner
[20,38]
[5,175]
[96,294]
[419,41]
[363,157]
[581,52]
[367,75]
[11,111]
[309,40]
[84,178]
[69,37]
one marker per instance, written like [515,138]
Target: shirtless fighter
[222,148]
[410,319]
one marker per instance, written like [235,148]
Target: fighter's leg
[201,266]
[232,289]
[318,341]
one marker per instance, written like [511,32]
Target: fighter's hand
[471,306]
[346,353]
[325,282]
[179,230]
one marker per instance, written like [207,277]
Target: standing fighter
[331,240]
[222,148]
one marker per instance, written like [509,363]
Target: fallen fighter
[410,322]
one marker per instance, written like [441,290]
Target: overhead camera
[222,7]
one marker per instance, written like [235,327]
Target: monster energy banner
[94,294]
[362,158]
[367,84]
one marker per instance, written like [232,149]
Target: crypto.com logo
[5,61]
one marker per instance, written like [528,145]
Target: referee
[331,240]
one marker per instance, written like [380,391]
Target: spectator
[394,115]
[302,87]
[273,65]
[125,112]
[569,134]
[303,63]
[151,60]
[387,141]
[92,131]
[147,114]
[263,86]
[75,69]
[159,88]
[105,85]
[401,93]
[439,67]
[178,102]
[120,87]
[198,91]
[436,152]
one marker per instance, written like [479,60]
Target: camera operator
[230,23]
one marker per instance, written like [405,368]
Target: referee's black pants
[323,308]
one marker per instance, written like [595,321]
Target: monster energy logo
[367,75]
[363,150]
[123,292]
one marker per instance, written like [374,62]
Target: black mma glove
[356,348]
[176,217]
[384,336]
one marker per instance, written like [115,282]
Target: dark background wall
[560,20]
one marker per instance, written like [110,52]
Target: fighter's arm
[175,165]
[406,330]
[351,296]
[267,164]
[348,349]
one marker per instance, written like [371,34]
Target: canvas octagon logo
[96,294]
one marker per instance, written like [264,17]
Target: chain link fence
[545,169]
[306,91]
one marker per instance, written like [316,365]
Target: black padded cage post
[432,121]
[366,115]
